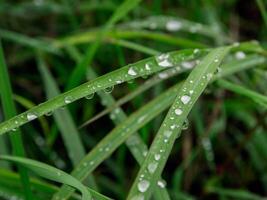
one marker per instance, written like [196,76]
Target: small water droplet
[163,75]
[161,184]
[68,99]
[90,96]
[216,60]
[143,185]
[109,89]
[167,133]
[173,25]
[132,72]
[163,60]
[31,116]
[157,156]
[178,111]
[240,55]
[152,167]
[185,124]
[185,99]
[147,66]
[188,65]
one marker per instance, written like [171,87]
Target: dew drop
[152,167]
[68,99]
[167,133]
[143,185]
[157,156]
[240,55]
[163,75]
[185,124]
[216,60]
[147,66]
[132,72]
[31,116]
[109,89]
[90,96]
[209,76]
[185,99]
[163,60]
[161,184]
[173,25]
[178,111]
[188,65]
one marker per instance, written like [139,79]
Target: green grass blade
[24,40]
[256,97]
[171,127]
[64,120]
[113,78]
[10,111]
[51,173]
[80,70]
[262,10]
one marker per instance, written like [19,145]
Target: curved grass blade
[124,34]
[173,24]
[64,120]
[42,189]
[80,70]
[127,128]
[142,68]
[172,125]
[10,111]
[51,173]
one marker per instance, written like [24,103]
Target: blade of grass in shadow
[51,173]
[80,70]
[262,10]
[64,120]
[139,69]
[151,169]
[135,144]
[134,122]
[10,111]
[255,96]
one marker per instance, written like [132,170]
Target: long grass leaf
[129,72]
[51,173]
[172,125]
[10,111]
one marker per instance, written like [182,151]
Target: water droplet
[161,184]
[49,113]
[163,60]
[152,167]
[173,25]
[109,89]
[68,99]
[118,81]
[163,75]
[188,65]
[157,156]
[90,96]
[240,55]
[216,60]
[31,116]
[209,76]
[196,51]
[191,91]
[132,72]
[167,133]
[178,111]
[143,185]
[185,124]
[147,66]
[185,99]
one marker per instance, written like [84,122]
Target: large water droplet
[31,116]
[157,156]
[185,99]
[109,89]
[240,55]
[143,185]
[132,72]
[163,60]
